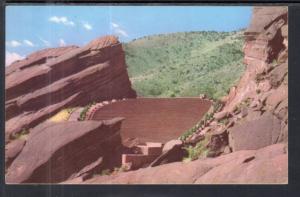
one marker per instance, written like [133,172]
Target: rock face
[12,150]
[263,45]
[55,152]
[52,79]
[267,165]
[264,84]
[172,151]
[256,133]
[255,112]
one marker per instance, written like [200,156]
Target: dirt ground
[154,119]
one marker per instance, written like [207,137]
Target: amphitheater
[153,119]
[148,124]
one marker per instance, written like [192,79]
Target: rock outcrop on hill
[264,86]
[55,152]
[265,51]
[52,79]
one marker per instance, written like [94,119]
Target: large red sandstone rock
[12,150]
[52,79]
[255,134]
[263,17]
[55,152]
[172,151]
[277,74]
[266,171]
[277,96]
[267,165]
[264,41]
[264,82]
[39,57]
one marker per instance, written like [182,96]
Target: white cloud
[87,26]
[28,43]
[118,30]
[13,43]
[61,20]
[45,42]
[12,57]
[62,43]
[115,25]
[121,32]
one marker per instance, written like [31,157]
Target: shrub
[83,113]
[217,106]
[224,121]
[21,135]
[244,103]
[200,150]
[105,172]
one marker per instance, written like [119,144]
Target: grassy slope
[185,64]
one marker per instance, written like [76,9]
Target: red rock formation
[264,83]
[55,152]
[39,57]
[263,44]
[172,151]
[267,165]
[255,111]
[52,79]
[12,150]
[262,130]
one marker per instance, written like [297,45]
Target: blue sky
[30,28]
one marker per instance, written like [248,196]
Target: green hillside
[185,64]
